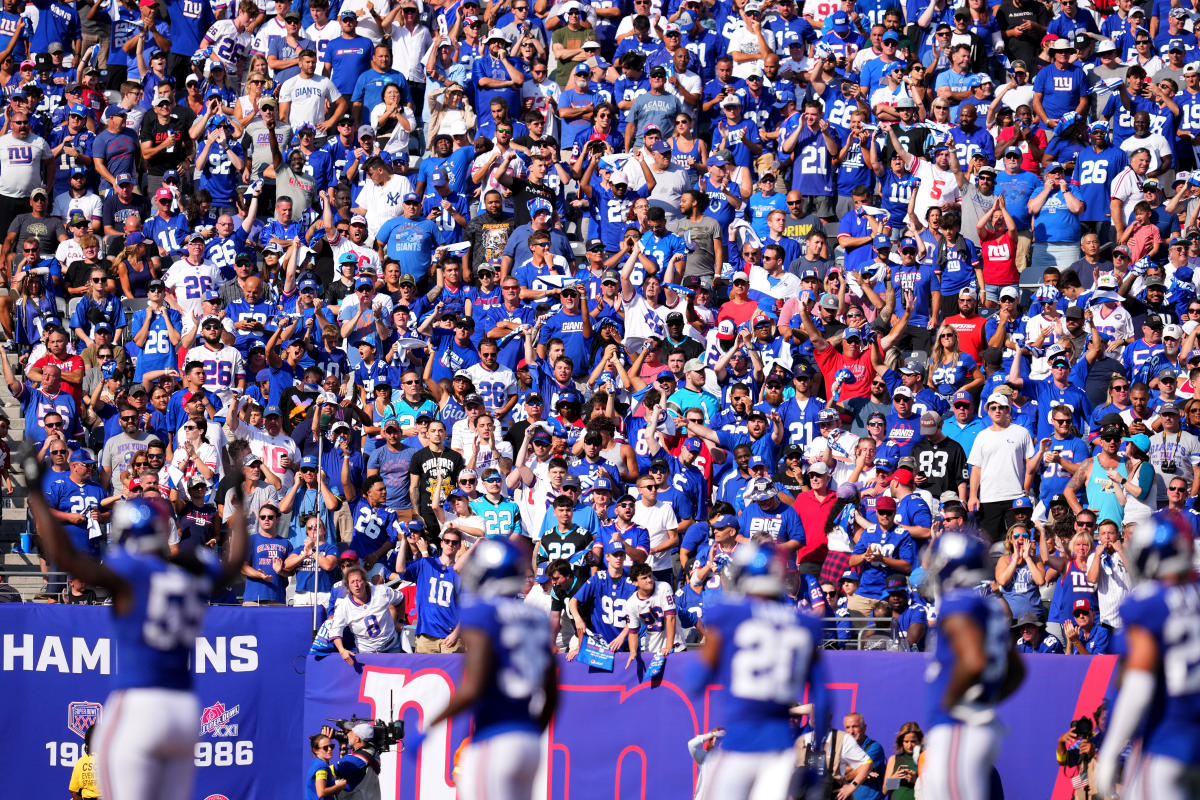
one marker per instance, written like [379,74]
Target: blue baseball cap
[896,584]
[115,111]
[602,484]
[308,284]
[908,243]
[961,397]
[412,197]
[784,97]
[1022,502]
[308,462]
[881,242]
[724,521]
[568,396]
[757,461]
[262,375]
[538,206]
[82,456]
[840,21]
[272,411]
[439,178]
[852,333]
[693,444]
[125,178]
[715,161]
[78,170]
[79,110]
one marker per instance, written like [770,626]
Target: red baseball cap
[1082,604]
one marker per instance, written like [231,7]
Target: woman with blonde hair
[1072,586]
[134,269]
[1020,572]
[950,369]
[902,765]
[258,86]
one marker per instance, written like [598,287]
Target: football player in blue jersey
[974,667]
[1159,700]
[508,680]
[763,652]
[159,602]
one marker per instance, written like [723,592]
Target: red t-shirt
[813,513]
[998,258]
[70,364]
[740,313]
[830,360]
[970,333]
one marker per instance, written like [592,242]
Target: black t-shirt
[524,193]
[488,234]
[196,527]
[429,469]
[46,229]
[1023,47]
[156,132]
[944,465]
[80,272]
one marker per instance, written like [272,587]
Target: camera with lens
[1169,468]
[384,737]
[1083,728]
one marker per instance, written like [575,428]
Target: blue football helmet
[956,560]
[142,525]
[757,569]
[495,567]
[1161,546]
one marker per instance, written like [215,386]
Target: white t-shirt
[367,257]
[1112,586]
[937,186]
[1000,456]
[1156,143]
[271,449]
[308,97]
[649,615]
[743,41]
[382,202]
[658,519]
[90,206]
[21,164]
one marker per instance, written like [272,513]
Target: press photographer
[1076,752]
[361,744]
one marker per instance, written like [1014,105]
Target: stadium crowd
[633,281]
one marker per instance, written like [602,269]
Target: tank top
[1072,585]
[905,792]
[1021,593]
[139,280]
[681,158]
[1101,496]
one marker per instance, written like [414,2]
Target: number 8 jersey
[768,653]
[155,639]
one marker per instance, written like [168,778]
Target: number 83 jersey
[768,650]
[1171,614]
[155,639]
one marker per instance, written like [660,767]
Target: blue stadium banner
[617,735]
[56,663]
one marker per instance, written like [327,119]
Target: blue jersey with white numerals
[155,639]
[984,694]
[513,696]
[602,604]
[437,596]
[1171,614]
[769,651]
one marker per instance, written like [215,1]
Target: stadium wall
[615,736]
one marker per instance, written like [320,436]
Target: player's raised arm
[58,547]
[235,549]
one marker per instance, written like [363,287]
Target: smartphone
[891,784]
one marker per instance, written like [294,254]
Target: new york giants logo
[82,715]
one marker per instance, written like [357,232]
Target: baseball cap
[164,193]
[885,503]
[726,329]
[931,422]
[997,399]
[1082,604]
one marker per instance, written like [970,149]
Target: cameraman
[1075,753]
[359,767]
[322,780]
[1107,570]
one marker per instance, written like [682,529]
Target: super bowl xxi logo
[214,721]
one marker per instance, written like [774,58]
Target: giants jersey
[222,368]
[1171,614]
[495,387]
[602,604]
[513,695]
[650,614]
[228,45]
[370,622]
[190,283]
[981,697]
[155,640]
[272,449]
[768,653]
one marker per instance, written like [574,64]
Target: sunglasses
[267,516]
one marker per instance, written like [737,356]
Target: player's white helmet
[142,524]
[757,569]
[1161,546]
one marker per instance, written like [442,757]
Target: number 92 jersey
[1171,614]
[155,639]
[768,650]
[513,696]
